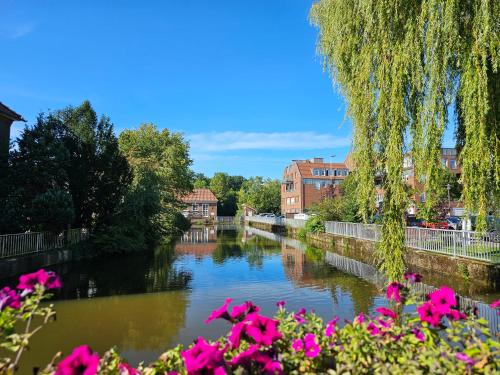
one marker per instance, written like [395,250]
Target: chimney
[317,160]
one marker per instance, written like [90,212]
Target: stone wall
[465,275]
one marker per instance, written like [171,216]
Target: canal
[145,303]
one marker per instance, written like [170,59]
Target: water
[146,303]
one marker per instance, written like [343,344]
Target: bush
[53,210]
[436,338]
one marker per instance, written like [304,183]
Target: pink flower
[81,361]
[465,358]
[297,345]
[47,279]
[220,313]
[262,329]
[456,315]
[386,312]
[204,358]
[312,349]
[373,329]
[273,368]
[384,323]
[330,326]
[281,304]
[245,357]
[359,319]
[126,369]
[9,298]
[299,316]
[236,333]
[244,309]
[418,334]
[394,291]
[430,314]
[443,299]
[413,277]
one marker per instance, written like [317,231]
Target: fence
[34,242]
[467,244]
[226,219]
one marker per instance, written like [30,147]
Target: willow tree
[403,66]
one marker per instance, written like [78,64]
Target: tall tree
[263,195]
[401,66]
[161,168]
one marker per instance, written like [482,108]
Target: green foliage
[263,195]
[225,188]
[161,175]
[340,208]
[53,210]
[71,151]
[200,181]
[401,67]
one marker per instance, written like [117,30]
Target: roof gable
[200,195]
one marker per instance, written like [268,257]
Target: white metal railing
[294,223]
[33,242]
[226,219]
[467,244]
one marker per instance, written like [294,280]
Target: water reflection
[153,300]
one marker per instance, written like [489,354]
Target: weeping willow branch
[402,65]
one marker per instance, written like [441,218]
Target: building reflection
[309,268]
[199,242]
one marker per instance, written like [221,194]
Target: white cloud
[238,140]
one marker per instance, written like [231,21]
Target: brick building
[7,117]
[201,204]
[308,181]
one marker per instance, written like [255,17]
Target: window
[453,164]
[194,208]
[205,209]
[445,162]
[422,198]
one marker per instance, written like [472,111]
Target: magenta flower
[465,358]
[9,298]
[330,329]
[297,345]
[443,299]
[47,279]
[245,357]
[359,319]
[273,368]
[204,358]
[373,329]
[235,334]
[126,369]
[419,335]
[262,329]
[312,349]
[394,291]
[413,277]
[384,323]
[81,361]
[281,304]
[220,313]
[430,314]
[299,316]
[456,315]
[241,311]
[386,312]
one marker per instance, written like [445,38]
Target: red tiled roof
[200,195]
[306,167]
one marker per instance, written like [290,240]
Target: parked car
[441,224]
[412,221]
[301,216]
[454,222]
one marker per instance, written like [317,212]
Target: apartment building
[449,159]
[306,182]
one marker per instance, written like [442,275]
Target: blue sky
[241,79]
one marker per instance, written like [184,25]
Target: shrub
[436,338]
[313,225]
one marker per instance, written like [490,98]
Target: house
[7,117]
[248,211]
[306,182]
[201,204]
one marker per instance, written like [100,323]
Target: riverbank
[469,277]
